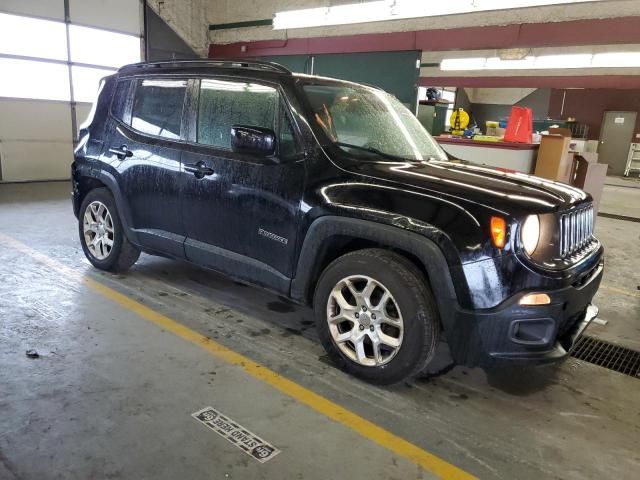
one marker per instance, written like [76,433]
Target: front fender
[449,290]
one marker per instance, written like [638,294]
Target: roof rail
[226,63]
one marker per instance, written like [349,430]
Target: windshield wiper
[372,150]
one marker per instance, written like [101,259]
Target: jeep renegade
[333,194]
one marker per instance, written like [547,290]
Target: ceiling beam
[560,81]
[556,34]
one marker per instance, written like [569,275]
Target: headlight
[530,233]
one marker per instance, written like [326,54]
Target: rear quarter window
[157,107]
[119,102]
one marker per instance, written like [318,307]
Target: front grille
[608,355]
[576,230]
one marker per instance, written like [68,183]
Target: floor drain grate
[608,355]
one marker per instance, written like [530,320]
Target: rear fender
[110,182]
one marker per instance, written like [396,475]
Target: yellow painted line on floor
[367,429]
[622,291]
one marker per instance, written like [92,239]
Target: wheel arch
[330,237]
[86,182]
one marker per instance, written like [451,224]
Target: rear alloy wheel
[102,234]
[364,320]
[376,316]
[98,230]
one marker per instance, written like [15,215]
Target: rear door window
[157,107]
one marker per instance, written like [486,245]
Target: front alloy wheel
[364,320]
[98,230]
[376,316]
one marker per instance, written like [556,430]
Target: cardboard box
[565,132]
[496,131]
[590,177]
[554,160]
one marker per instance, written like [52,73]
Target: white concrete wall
[188,20]
[497,96]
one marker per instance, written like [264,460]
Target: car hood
[507,191]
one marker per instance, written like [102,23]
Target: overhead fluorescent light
[381,10]
[616,59]
[570,60]
[546,62]
[496,63]
[477,63]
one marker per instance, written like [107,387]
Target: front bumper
[512,333]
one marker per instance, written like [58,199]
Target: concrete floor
[112,394]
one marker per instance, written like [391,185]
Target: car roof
[216,66]
[241,64]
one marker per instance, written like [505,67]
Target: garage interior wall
[395,72]
[47,86]
[163,43]
[590,104]
[494,108]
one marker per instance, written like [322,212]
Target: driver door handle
[198,169]
[122,152]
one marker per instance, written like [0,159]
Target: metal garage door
[52,55]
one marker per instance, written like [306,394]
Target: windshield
[369,122]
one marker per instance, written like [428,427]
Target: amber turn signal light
[498,231]
[535,299]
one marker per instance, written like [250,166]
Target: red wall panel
[588,105]
[577,81]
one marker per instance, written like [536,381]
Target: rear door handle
[122,152]
[199,169]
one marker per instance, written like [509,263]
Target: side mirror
[253,140]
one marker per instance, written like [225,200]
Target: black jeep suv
[333,194]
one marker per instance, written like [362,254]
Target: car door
[144,146]
[241,211]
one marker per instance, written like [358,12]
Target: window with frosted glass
[32,37]
[224,103]
[37,80]
[86,81]
[287,144]
[119,102]
[100,47]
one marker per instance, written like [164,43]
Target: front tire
[102,234]
[376,316]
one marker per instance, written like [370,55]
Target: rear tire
[102,234]
[376,316]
